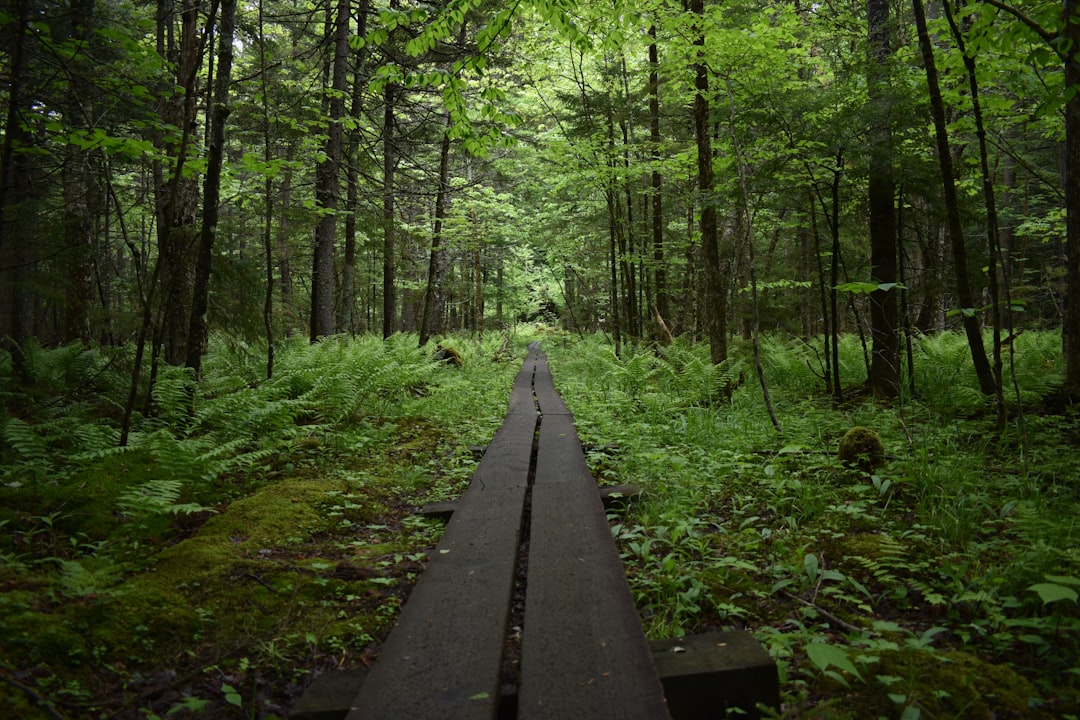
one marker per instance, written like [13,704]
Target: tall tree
[660,288]
[178,190]
[433,291]
[884,376]
[328,178]
[715,285]
[1070,32]
[218,114]
[389,164]
[964,292]
[15,325]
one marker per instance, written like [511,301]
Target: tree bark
[219,113]
[389,163]
[328,184]
[660,288]
[964,292]
[1071,328]
[884,375]
[433,293]
[715,310]
[178,194]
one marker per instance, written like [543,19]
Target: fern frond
[25,440]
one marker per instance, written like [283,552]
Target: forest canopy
[346,167]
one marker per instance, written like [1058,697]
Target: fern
[79,578]
[156,497]
[26,441]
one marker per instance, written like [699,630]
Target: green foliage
[877,595]
[213,545]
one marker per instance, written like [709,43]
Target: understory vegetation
[254,533]
[941,585]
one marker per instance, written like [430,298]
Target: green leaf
[480,696]
[825,656]
[231,696]
[863,288]
[1052,592]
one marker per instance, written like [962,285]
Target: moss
[861,448]
[870,546]
[218,574]
[947,684]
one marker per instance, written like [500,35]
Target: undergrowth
[260,531]
[942,586]
[248,535]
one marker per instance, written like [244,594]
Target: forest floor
[219,565]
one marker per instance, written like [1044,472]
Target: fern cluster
[230,423]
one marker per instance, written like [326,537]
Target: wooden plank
[444,656]
[544,386]
[708,676]
[584,654]
[521,395]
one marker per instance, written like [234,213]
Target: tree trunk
[268,201]
[715,286]
[82,196]
[219,113]
[884,375]
[433,294]
[660,288]
[1071,328]
[389,162]
[992,248]
[328,184]
[352,201]
[15,325]
[178,206]
[964,292]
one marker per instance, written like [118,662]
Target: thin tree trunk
[744,194]
[433,292]
[219,112]
[884,374]
[715,285]
[328,183]
[268,200]
[389,162]
[347,315]
[834,276]
[992,246]
[1070,14]
[964,292]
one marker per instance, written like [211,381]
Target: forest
[234,237]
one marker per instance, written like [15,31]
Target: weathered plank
[584,654]
[710,675]
[547,397]
[443,658]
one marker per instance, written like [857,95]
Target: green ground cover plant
[266,531]
[942,584]
[246,538]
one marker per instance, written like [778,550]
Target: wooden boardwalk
[583,652]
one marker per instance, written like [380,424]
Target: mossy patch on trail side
[945,684]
